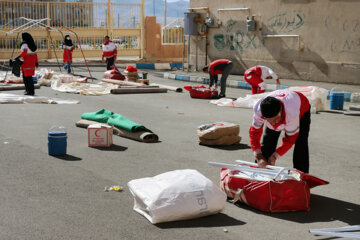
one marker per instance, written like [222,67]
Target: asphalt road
[45,197]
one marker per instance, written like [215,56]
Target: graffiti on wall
[286,22]
[344,27]
[236,39]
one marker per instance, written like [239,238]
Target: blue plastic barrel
[57,141]
[336,100]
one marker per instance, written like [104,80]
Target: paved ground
[45,197]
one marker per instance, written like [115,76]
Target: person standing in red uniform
[256,76]
[30,61]
[68,47]
[109,52]
[281,110]
[220,66]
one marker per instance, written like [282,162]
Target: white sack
[317,97]
[176,195]
[217,130]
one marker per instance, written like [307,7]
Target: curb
[348,96]
[154,66]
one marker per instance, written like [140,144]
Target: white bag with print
[176,195]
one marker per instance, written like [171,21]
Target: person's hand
[102,59]
[272,159]
[261,161]
[278,81]
[37,64]
[216,86]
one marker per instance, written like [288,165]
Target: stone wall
[324,46]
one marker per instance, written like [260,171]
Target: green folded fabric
[99,116]
[122,122]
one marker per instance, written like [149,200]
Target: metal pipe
[283,36]
[188,56]
[206,53]
[199,8]
[279,36]
[233,9]
[196,53]
[183,57]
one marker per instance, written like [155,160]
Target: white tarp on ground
[44,77]
[83,88]
[13,98]
[316,95]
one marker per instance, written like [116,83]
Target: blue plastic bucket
[57,141]
[336,100]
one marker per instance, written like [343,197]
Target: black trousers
[109,63]
[224,77]
[301,148]
[29,85]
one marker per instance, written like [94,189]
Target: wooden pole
[16,87]
[171,88]
[138,90]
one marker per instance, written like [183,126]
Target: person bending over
[281,110]
[220,66]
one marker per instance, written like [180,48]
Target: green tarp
[99,116]
[117,120]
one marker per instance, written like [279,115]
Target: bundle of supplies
[271,189]
[114,73]
[176,195]
[202,92]
[131,73]
[219,133]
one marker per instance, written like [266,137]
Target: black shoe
[221,96]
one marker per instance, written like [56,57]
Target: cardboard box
[100,135]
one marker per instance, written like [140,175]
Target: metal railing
[173,33]
[90,20]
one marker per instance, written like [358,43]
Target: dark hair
[270,107]
[206,68]
[107,37]
[28,39]
[67,42]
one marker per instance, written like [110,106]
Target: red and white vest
[30,59]
[294,106]
[109,50]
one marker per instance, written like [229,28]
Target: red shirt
[217,67]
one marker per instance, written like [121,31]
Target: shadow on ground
[217,220]
[68,157]
[233,147]
[322,209]
[114,147]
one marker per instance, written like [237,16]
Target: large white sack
[317,97]
[176,195]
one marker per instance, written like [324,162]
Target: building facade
[299,39]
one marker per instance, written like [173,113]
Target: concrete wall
[328,48]
[154,50]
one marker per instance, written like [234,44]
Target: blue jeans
[68,67]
